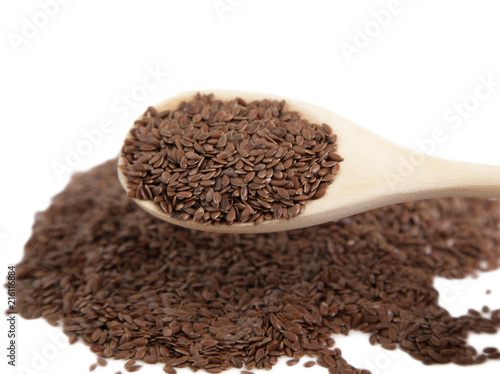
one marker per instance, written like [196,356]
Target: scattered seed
[159,293]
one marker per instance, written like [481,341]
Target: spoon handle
[437,177]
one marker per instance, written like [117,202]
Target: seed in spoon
[224,162]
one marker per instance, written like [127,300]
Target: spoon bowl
[375,172]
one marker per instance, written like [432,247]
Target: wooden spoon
[375,173]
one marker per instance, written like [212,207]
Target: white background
[67,69]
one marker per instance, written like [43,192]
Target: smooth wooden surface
[375,173]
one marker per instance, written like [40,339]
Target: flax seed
[202,134]
[137,289]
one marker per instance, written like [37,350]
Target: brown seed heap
[139,289]
[224,162]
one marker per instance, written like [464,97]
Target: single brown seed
[237,182]
[294,211]
[199,214]
[140,342]
[217,197]
[480,359]
[330,361]
[309,364]
[489,350]
[283,193]
[95,335]
[290,336]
